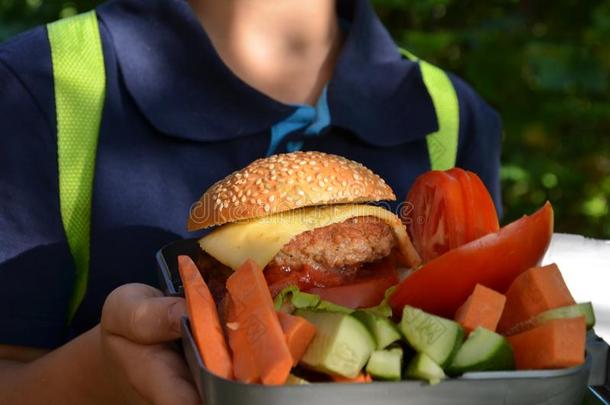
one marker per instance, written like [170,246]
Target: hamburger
[306,218]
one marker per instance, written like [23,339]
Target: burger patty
[343,246]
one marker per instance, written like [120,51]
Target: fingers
[155,372]
[141,314]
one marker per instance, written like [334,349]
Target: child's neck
[284,48]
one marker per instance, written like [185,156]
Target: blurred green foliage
[545,66]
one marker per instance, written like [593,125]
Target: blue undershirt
[308,119]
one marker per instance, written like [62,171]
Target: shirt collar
[181,85]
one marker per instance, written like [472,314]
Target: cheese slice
[261,239]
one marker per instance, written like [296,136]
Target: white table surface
[585,266]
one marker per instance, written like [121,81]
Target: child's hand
[137,322]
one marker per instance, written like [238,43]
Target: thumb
[141,314]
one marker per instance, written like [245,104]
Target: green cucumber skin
[503,362]
[423,331]
[571,311]
[422,367]
[459,341]
[499,359]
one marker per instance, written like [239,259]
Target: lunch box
[588,384]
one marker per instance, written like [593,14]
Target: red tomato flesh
[366,291]
[444,283]
[364,287]
[448,209]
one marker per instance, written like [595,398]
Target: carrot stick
[204,320]
[244,366]
[299,333]
[256,319]
[361,378]
[483,308]
[554,344]
[534,291]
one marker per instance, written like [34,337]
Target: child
[190,92]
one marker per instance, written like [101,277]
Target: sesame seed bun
[286,182]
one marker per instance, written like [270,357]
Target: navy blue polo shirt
[176,120]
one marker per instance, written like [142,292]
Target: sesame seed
[321,183]
[243,199]
[267,208]
[271,198]
[312,162]
[308,178]
[300,192]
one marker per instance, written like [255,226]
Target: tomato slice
[367,291]
[480,211]
[494,261]
[305,277]
[447,210]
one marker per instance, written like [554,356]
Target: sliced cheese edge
[261,239]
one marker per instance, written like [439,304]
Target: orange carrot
[534,291]
[361,378]
[299,333]
[483,308]
[554,344]
[255,318]
[244,366]
[204,320]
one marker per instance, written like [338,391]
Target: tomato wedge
[365,292]
[443,284]
[448,209]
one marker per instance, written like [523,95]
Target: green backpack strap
[80,85]
[442,144]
